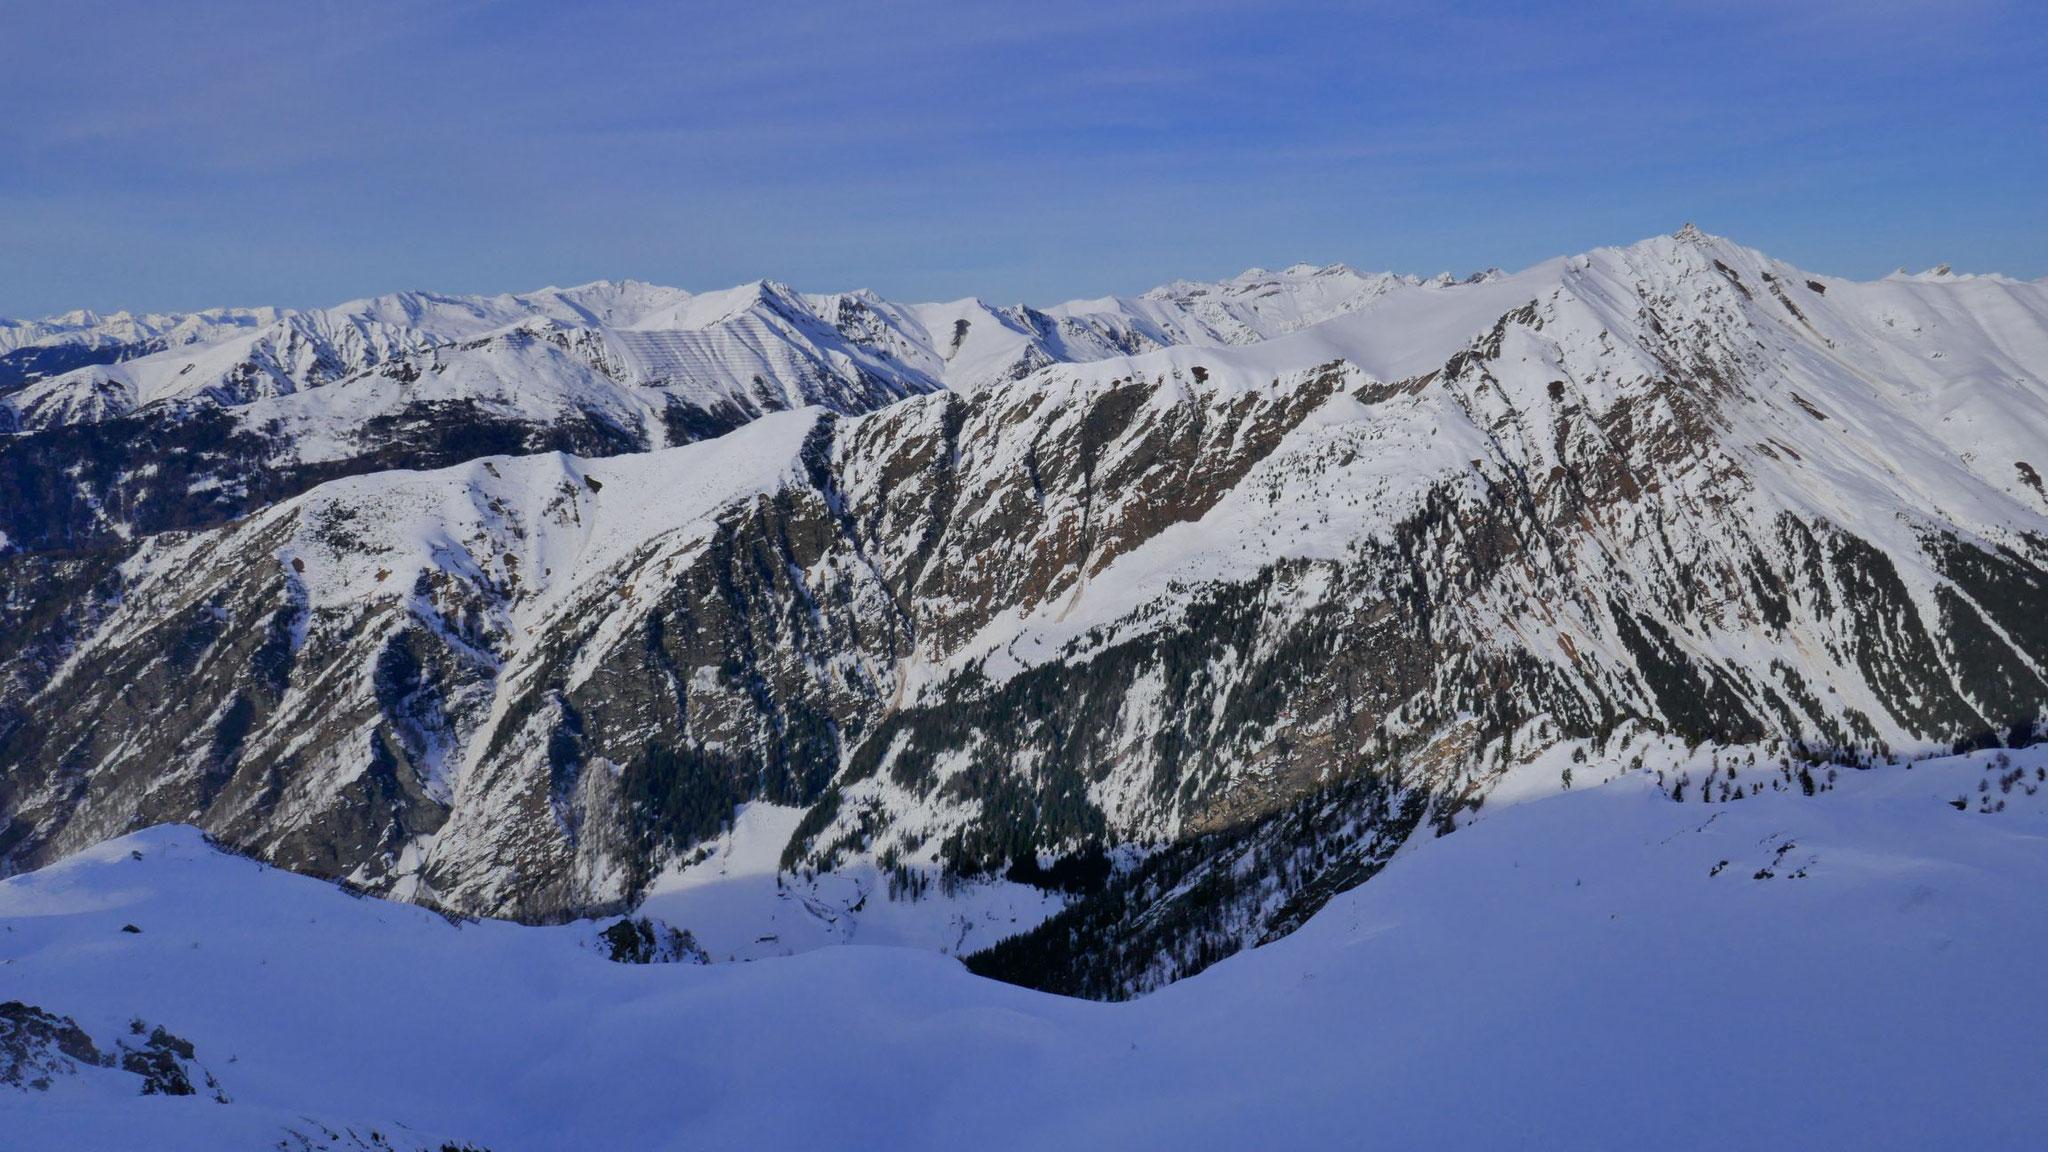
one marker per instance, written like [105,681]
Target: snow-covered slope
[739,904]
[1592,968]
[31,350]
[1258,305]
[981,345]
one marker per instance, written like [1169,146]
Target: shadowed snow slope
[1592,968]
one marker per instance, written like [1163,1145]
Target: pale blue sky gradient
[168,156]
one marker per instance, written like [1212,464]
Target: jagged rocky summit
[1187,610]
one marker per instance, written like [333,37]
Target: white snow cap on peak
[1691,234]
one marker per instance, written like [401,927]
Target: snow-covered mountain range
[177,421]
[648,335]
[1099,642]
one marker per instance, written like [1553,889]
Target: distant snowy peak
[981,344]
[717,359]
[32,350]
[755,345]
[93,328]
[1258,304]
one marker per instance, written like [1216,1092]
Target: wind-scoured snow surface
[1589,968]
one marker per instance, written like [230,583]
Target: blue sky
[184,155]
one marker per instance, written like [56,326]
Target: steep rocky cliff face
[1201,627]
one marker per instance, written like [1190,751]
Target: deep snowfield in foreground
[1575,971]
